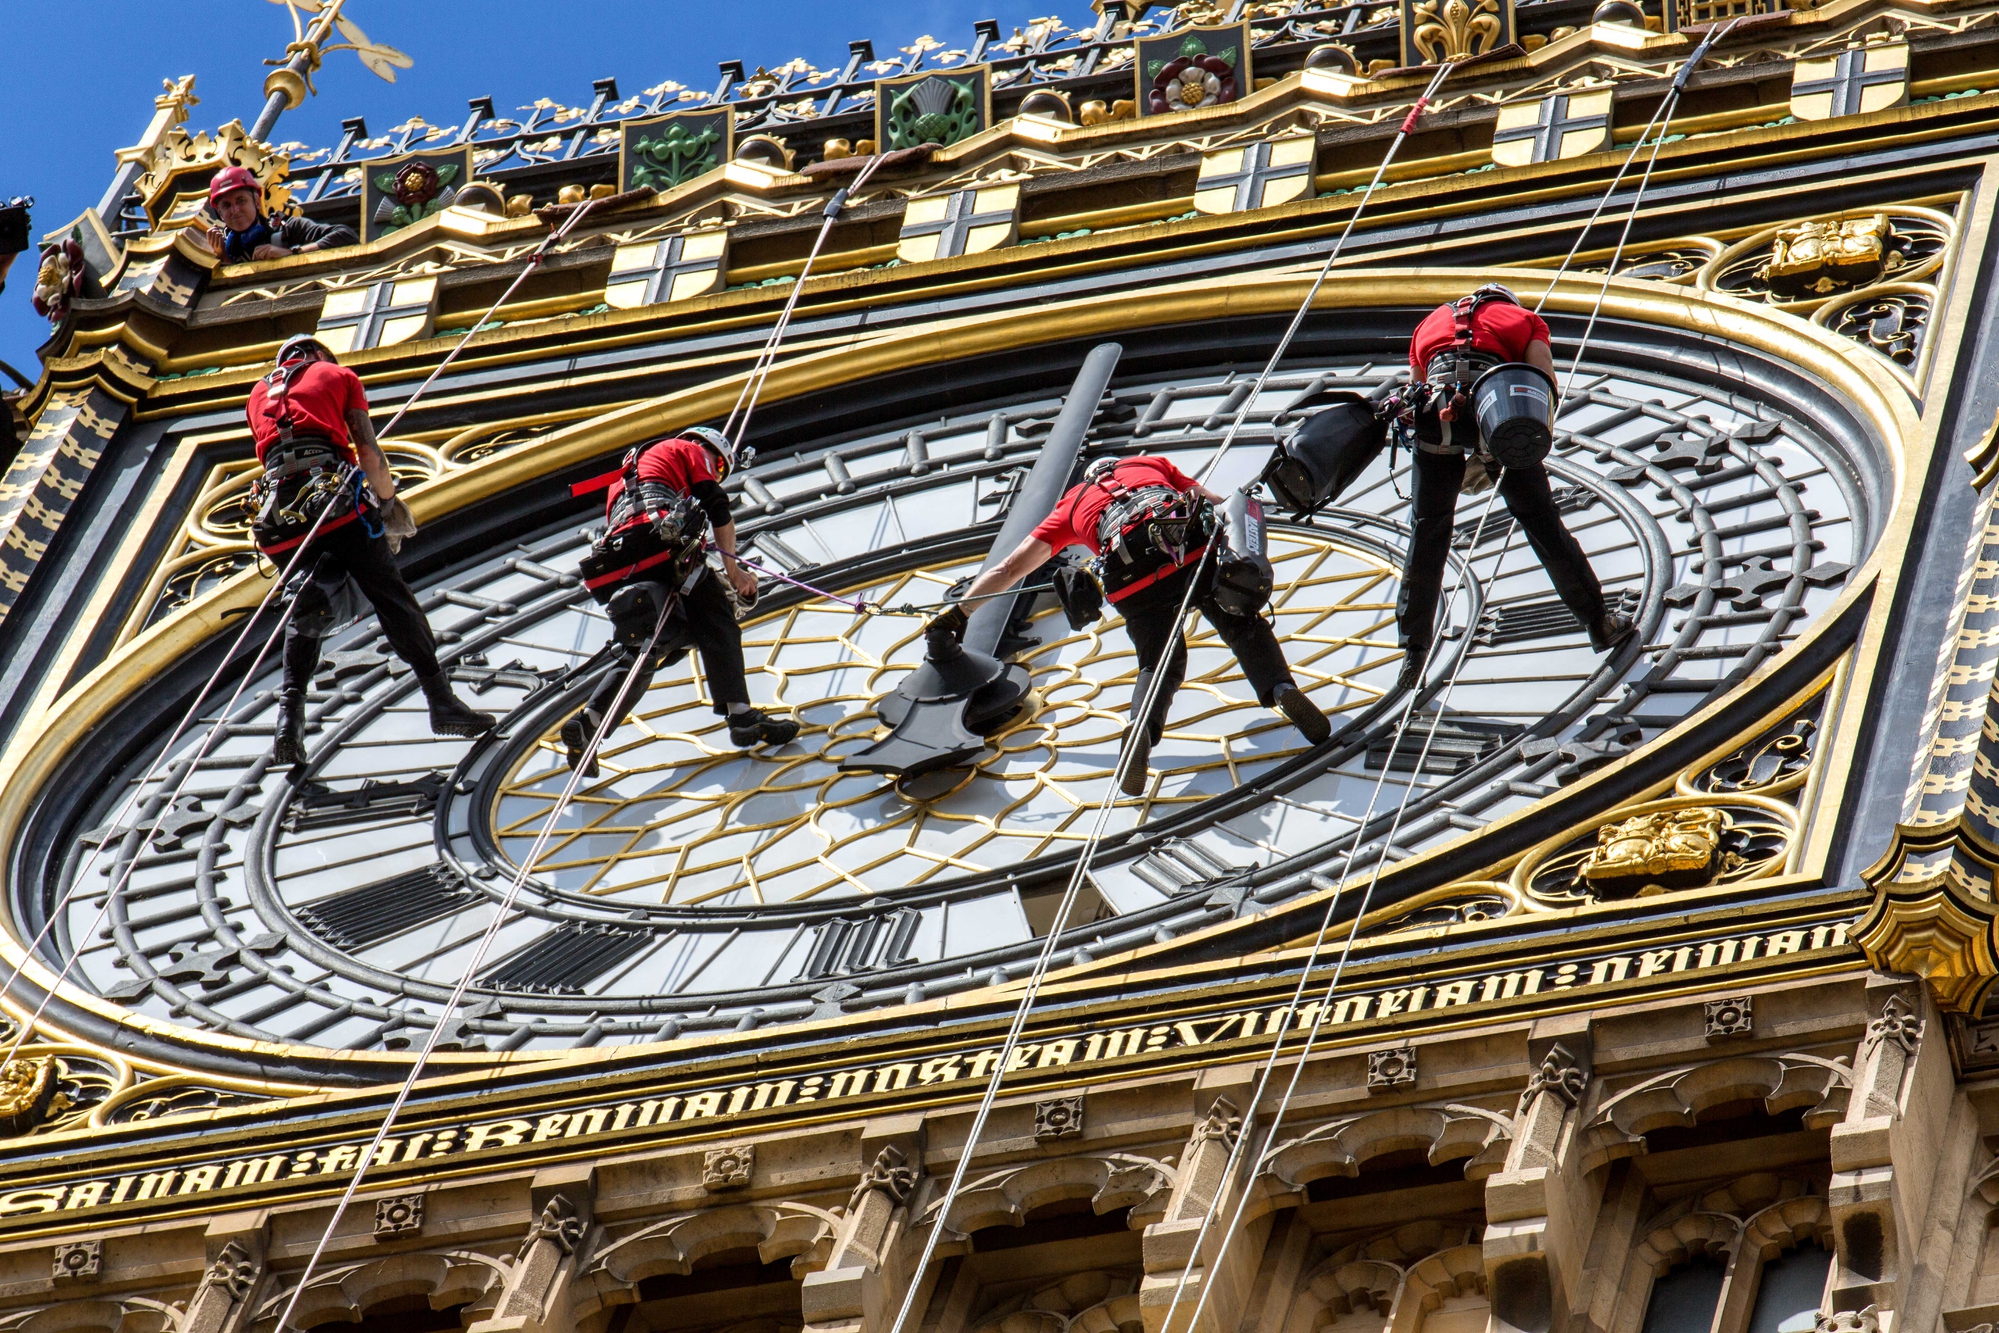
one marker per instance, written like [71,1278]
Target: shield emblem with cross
[379,315]
[1261,175]
[964,222]
[1558,126]
[1866,78]
[674,269]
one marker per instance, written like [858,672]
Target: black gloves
[944,635]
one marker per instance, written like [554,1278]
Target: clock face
[693,886]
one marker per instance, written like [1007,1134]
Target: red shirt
[319,400]
[678,463]
[1499,327]
[1073,521]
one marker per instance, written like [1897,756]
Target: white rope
[1387,845]
[745,402]
[478,959]
[1141,717]
[81,878]
[752,390]
[1232,1165]
[1325,270]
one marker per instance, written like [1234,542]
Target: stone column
[536,1299]
[222,1303]
[1221,1098]
[868,1273]
[1884,1152]
[1539,1210]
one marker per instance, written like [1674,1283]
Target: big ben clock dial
[693,886]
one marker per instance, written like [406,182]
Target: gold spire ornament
[287,85]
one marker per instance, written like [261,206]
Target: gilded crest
[1825,255]
[1661,849]
[1441,30]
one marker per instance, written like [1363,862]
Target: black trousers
[350,553]
[710,623]
[1148,617]
[1530,501]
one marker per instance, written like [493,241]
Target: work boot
[288,749]
[1610,629]
[576,739]
[1304,714]
[755,727]
[449,716]
[1137,767]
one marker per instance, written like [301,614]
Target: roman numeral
[565,960]
[356,918]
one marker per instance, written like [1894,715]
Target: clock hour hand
[937,714]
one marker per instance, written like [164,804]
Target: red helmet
[231,179]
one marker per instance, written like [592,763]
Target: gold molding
[40,746]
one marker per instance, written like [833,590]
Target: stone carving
[1898,1023]
[1670,849]
[728,1168]
[889,1174]
[1822,256]
[398,1216]
[79,1261]
[1561,1074]
[1224,1122]
[558,1223]
[1731,1017]
[1865,1320]
[1387,1070]
[1059,1118]
[234,1271]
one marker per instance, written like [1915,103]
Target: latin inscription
[301,1167]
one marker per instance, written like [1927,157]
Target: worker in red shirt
[309,418]
[1112,514]
[673,486]
[1455,344]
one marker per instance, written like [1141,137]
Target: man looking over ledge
[247,233]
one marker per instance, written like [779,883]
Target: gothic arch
[1677,1097]
[1109,1182]
[1444,1132]
[130,1315]
[445,1279]
[797,1231]
[1450,1274]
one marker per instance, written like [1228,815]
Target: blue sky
[85,72]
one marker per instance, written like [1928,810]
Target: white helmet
[1497,291]
[716,441]
[1099,468]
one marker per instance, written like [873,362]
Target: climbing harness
[1303,1054]
[219,726]
[1126,751]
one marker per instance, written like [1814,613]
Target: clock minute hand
[938,710]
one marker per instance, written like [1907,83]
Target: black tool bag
[1081,596]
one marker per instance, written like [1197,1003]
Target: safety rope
[746,399]
[62,903]
[1666,107]
[500,917]
[1387,843]
[1140,718]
